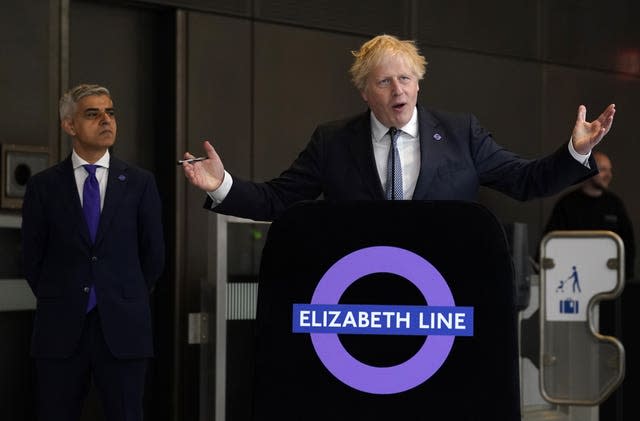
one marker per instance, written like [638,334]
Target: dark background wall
[256,76]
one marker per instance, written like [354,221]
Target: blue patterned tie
[91,209]
[394,169]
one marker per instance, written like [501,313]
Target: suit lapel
[430,152]
[70,198]
[116,188]
[361,148]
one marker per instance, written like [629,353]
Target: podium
[386,310]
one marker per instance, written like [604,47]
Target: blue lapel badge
[437,136]
[122,177]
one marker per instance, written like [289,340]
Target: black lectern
[386,311]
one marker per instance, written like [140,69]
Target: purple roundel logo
[401,377]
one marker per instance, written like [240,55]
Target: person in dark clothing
[593,207]
[93,249]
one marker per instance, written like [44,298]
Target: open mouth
[399,107]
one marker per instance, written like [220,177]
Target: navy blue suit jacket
[123,264]
[457,156]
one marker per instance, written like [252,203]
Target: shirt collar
[76,161]
[378,130]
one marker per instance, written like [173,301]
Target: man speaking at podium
[399,150]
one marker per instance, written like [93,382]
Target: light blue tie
[394,189]
[91,210]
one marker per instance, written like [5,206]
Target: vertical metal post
[180,228]
[221,317]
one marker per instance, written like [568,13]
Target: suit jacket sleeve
[520,178]
[150,233]
[34,232]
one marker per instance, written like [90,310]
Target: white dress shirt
[408,148]
[81,174]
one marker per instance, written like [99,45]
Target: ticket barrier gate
[579,366]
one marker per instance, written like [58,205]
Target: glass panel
[579,365]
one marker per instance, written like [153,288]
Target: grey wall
[28,72]
[25,94]
[522,67]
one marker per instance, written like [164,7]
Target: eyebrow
[97,109]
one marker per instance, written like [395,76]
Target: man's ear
[363,94]
[67,126]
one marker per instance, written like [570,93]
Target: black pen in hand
[192,160]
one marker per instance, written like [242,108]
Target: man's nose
[396,87]
[105,118]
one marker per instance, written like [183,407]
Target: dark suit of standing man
[443,155]
[75,342]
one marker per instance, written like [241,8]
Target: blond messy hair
[372,52]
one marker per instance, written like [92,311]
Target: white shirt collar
[378,130]
[76,161]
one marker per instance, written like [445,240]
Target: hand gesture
[208,174]
[586,134]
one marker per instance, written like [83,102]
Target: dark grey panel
[219,88]
[505,27]
[28,52]
[218,110]
[583,33]
[24,72]
[505,96]
[565,89]
[503,93]
[128,51]
[301,80]
[361,17]
[236,7]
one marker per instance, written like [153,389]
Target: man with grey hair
[93,249]
[68,101]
